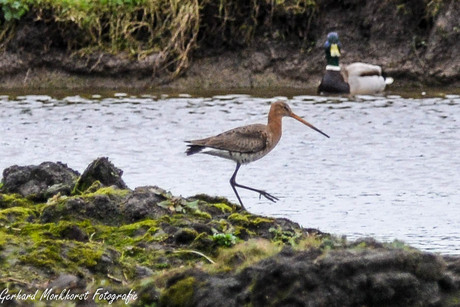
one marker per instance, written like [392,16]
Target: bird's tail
[193,149]
[388,80]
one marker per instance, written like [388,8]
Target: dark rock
[103,171]
[185,236]
[372,277]
[367,242]
[169,229]
[142,272]
[101,208]
[199,227]
[55,212]
[67,281]
[105,209]
[148,295]
[107,261]
[73,232]
[143,203]
[40,182]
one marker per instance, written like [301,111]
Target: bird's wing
[363,69]
[247,139]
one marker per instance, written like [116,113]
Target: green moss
[249,220]
[224,226]
[238,218]
[134,255]
[223,207]
[308,242]
[398,245]
[96,185]
[244,254]
[35,232]
[126,237]
[285,236]
[179,294]
[261,220]
[86,206]
[138,228]
[160,236]
[59,229]
[45,254]
[109,191]
[243,232]
[203,242]
[85,254]
[201,214]
[16,214]
[4,239]
[14,200]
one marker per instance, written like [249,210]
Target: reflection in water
[391,168]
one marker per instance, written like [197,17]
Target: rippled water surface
[391,168]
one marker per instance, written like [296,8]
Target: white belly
[366,85]
[242,158]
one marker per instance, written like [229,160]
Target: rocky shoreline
[87,239]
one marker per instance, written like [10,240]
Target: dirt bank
[416,42]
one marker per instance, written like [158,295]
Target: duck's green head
[332,48]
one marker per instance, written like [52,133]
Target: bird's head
[281,108]
[332,38]
[332,48]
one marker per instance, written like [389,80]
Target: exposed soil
[413,47]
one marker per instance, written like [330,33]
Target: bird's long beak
[307,123]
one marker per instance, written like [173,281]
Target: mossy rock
[14,200]
[39,182]
[103,171]
[179,293]
[144,202]
[104,205]
[185,236]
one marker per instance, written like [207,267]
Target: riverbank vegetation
[172,30]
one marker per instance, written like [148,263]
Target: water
[391,168]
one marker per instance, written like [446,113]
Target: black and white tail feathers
[193,149]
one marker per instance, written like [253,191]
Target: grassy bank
[159,38]
[172,29]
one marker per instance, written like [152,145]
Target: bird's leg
[234,184]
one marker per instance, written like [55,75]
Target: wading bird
[248,143]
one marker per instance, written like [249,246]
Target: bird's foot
[268,196]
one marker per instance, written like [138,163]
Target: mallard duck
[356,78]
